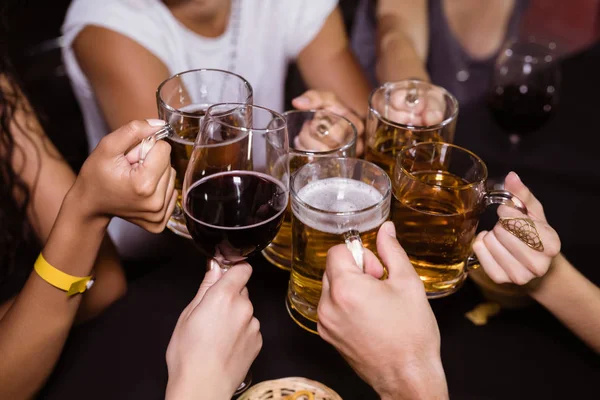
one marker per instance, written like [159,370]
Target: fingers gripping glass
[182,101]
[333,201]
[439,196]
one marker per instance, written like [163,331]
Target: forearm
[180,388]
[573,299]
[397,59]
[34,329]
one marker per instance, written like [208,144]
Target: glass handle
[504,197]
[148,143]
[501,197]
[355,245]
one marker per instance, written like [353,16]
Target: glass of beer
[333,201]
[404,113]
[313,134]
[182,101]
[439,196]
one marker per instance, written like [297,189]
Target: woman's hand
[503,256]
[315,100]
[216,338]
[113,183]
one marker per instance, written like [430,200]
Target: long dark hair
[14,193]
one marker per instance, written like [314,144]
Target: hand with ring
[328,135]
[520,247]
[415,106]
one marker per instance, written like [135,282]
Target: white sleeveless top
[271,34]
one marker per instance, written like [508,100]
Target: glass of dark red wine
[236,185]
[524,88]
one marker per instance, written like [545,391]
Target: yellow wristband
[69,283]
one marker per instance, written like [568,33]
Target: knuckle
[144,187]
[156,204]
[255,325]
[342,296]
[134,126]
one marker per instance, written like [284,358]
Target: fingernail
[517,176]
[302,100]
[390,228]
[155,122]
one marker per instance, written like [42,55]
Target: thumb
[210,278]
[392,254]
[513,184]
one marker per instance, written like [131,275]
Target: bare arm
[573,299]
[327,63]
[402,40]
[49,178]
[126,89]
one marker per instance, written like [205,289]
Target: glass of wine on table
[524,90]
[235,190]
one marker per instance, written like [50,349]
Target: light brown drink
[435,227]
[314,233]
[388,140]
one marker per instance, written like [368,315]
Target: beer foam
[341,195]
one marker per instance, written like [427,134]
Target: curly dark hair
[14,227]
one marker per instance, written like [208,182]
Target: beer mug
[333,200]
[439,196]
[404,113]
[182,101]
[312,134]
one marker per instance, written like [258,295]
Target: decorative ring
[145,147]
[524,229]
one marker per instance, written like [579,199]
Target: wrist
[79,204]
[539,287]
[416,381]
[182,388]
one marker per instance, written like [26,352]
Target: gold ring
[524,229]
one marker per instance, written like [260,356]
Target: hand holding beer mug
[312,134]
[333,200]
[404,113]
[439,195]
[182,101]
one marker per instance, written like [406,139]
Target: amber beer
[323,212]
[439,195]
[396,119]
[341,135]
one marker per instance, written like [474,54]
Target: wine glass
[235,190]
[524,88]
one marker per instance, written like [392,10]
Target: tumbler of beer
[182,101]
[439,196]
[333,201]
[313,134]
[404,113]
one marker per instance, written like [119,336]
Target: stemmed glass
[234,201]
[524,88]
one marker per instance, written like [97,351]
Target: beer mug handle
[355,245]
[500,197]
[148,143]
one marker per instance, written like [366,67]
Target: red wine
[521,109]
[233,215]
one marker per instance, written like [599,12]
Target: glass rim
[385,196]
[549,46]
[399,157]
[161,102]
[420,128]
[343,147]
[235,106]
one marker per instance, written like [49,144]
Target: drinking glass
[404,113]
[233,207]
[182,101]
[312,134]
[439,196]
[333,200]
[524,87]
